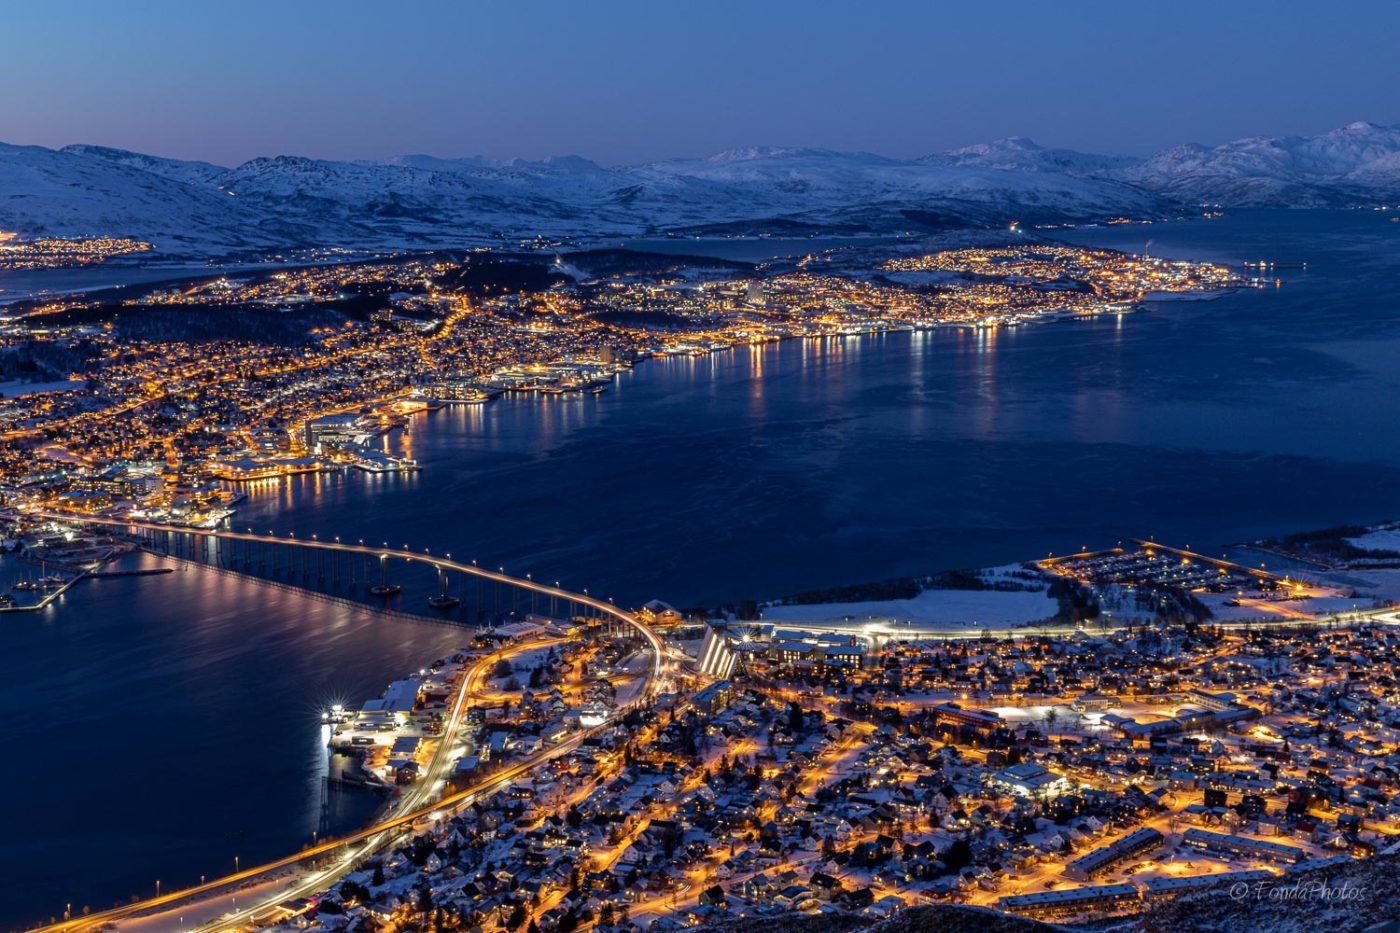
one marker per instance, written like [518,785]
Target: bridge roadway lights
[589,606]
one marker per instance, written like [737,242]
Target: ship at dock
[373,461]
[452,392]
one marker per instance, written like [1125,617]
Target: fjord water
[164,722]
[166,730]
[760,471]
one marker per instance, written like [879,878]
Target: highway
[474,680]
[417,800]
[447,803]
[365,841]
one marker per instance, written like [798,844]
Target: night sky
[630,82]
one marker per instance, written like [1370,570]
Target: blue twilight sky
[634,81]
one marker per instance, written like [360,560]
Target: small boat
[443,601]
[385,589]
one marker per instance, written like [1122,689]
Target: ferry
[1266,264]
[383,463]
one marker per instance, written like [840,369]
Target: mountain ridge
[418,200]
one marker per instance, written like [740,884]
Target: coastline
[1049,318]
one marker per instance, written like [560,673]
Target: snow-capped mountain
[1356,163]
[175,169]
[77,193]
[790,181]
[1019,154]
[191,208]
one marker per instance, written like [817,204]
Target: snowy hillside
[1019,154]
[66,193]
[422,201]
[1357,163]
[175,169]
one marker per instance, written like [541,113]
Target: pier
[48,597]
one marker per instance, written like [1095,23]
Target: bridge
[355,568]
[230,550]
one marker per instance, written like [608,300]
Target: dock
[48,597]
[148,572]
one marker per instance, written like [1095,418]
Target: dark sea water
[161,726]
[18,284]
[165,715]
[745,249]
[757,472]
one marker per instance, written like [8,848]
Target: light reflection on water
[170,723]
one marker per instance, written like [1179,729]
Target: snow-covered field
[1387,539]
[1251,610]
[1372,587]
[931,610]
[16,387]
[1369,582]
